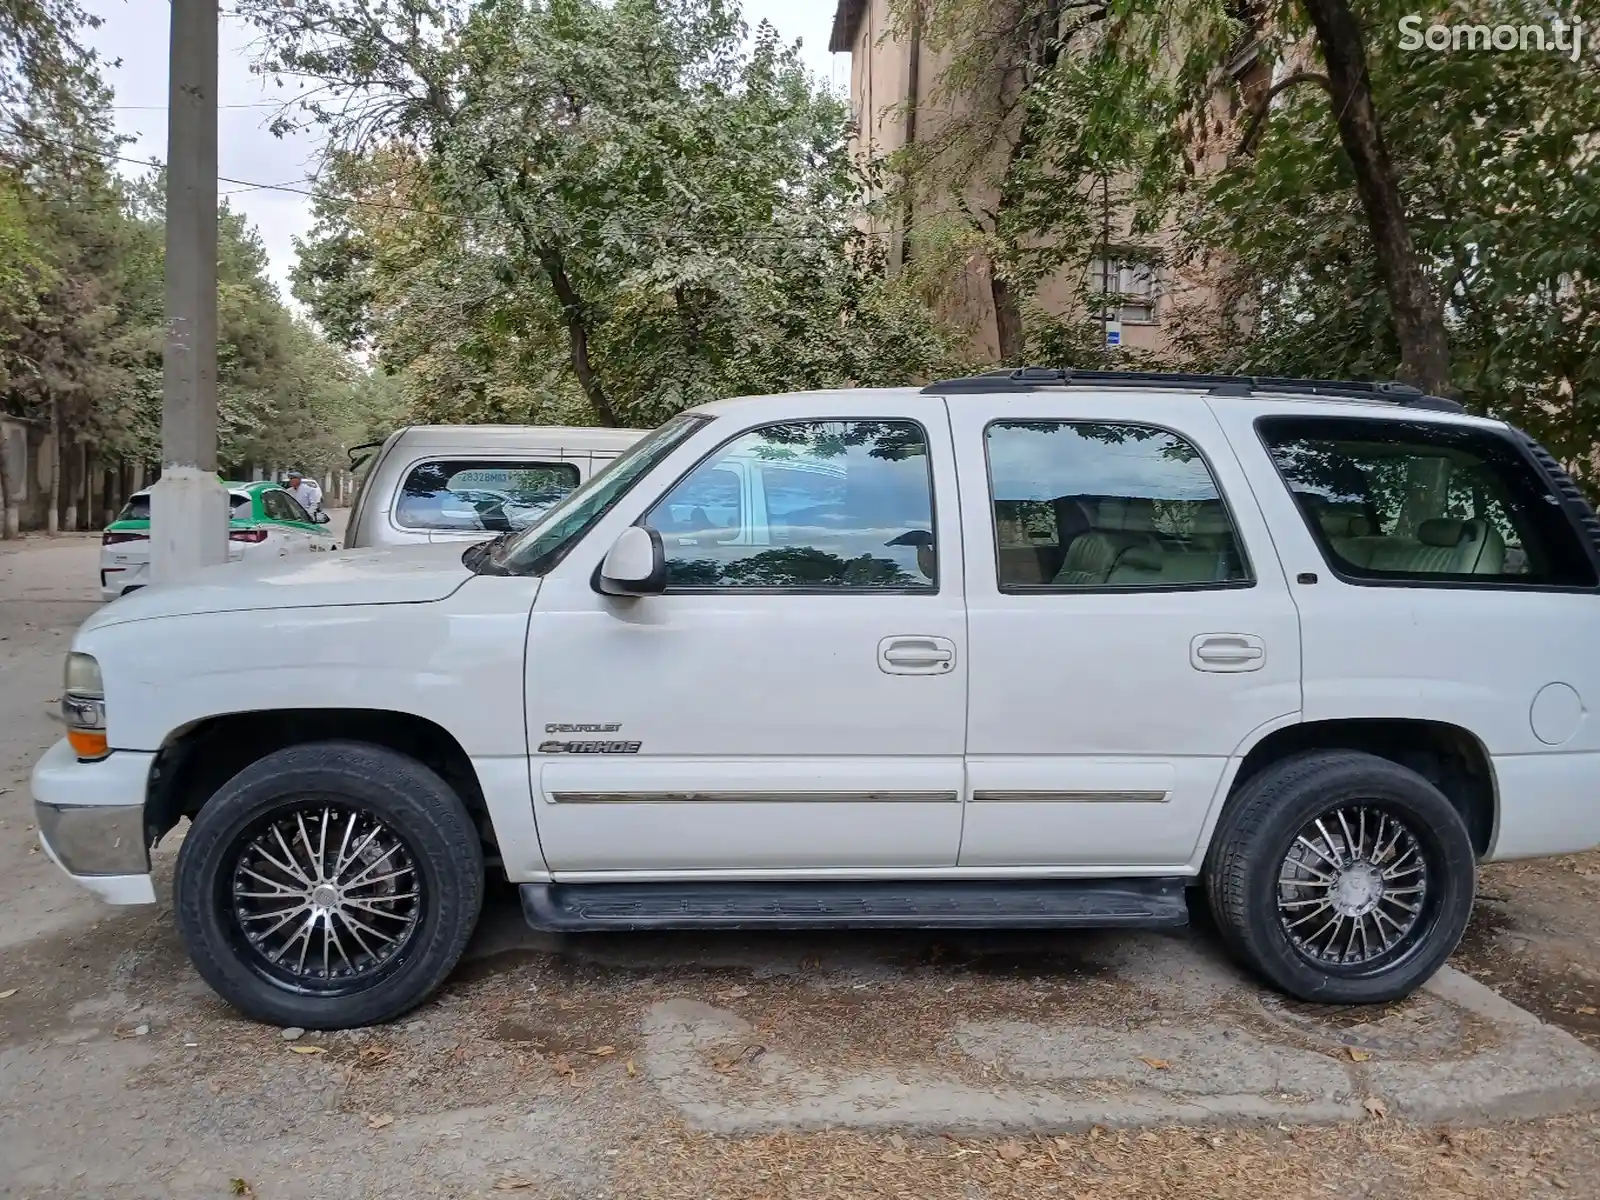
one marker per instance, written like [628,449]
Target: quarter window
[464,495]
[816,505]
[1081,505]
[1421,501]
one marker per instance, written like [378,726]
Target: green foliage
[587,211]
[1502,175]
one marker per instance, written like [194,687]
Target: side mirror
[636,564]
[322,518]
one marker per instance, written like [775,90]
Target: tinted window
[1397,500]
[136,509]
[1080,505]
[470,495]
[817,504]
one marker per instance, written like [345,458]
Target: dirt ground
[541,1069]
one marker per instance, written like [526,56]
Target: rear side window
[1401,501]
[239,507]
[469,495]
[1080,505]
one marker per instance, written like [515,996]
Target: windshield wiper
[479,557]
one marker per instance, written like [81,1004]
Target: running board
[975,904]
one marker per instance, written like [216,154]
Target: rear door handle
[1227,652]
[916,655]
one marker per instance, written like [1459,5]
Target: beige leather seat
[1119,526]
[1443,546]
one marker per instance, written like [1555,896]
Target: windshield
[541,546]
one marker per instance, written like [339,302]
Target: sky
[134,41]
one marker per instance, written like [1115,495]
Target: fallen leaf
[1357,1055]
[1375,1107]
[896,1141]
[632,1070]
[1587,1010]
[810,962]
[734,993]
[893,1157]
[1157,1064]
[1010,1150]
[240,1188]
[603,1051]
[306,1050]
[380,1122]
[512,1183]
[562,1067]
[10,992]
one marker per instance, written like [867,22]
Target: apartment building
[895,94]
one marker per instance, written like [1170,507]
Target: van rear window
[475,495]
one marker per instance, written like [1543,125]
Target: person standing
[306,491]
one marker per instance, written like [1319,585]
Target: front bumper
[91,821]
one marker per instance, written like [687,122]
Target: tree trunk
[10,519]
[1418,315]
[71,474]
[52,515]
[1007,320]
[572,308]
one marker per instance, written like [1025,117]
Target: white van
[457,483]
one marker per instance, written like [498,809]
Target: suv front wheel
[329,885]
[1342,877]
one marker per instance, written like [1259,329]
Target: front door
[1130,628]
[796,700]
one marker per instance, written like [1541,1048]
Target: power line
[250,185]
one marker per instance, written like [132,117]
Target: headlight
[83,706]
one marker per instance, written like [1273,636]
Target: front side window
[1084,505]
[470,496]
[1419,501]
[814,505]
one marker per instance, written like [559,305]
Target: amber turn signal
[88,743]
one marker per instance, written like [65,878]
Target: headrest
[1444,531]
[1125,514]
[1345,525]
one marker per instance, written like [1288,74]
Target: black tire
[419,814]
[1251,850]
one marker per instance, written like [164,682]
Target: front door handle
[916,655]
[1227,652]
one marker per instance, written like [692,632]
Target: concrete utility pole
[189,507]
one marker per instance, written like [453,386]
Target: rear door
[1129,625]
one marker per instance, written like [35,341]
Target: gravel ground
[537,1072]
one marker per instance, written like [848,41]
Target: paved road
[657,1066]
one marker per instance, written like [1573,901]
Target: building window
[1130,286]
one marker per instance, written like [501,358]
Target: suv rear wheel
[1342,877]
[329,885]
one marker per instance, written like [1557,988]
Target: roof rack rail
[1027,379]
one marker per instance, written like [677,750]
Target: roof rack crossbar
[1026,379]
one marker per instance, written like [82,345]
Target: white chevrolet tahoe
[1044,649]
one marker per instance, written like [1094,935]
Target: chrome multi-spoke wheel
[324,896]
[1341,876]
[1352,887]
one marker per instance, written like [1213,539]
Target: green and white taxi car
[265,522]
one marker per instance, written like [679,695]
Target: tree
[1495,156]
[613,204]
